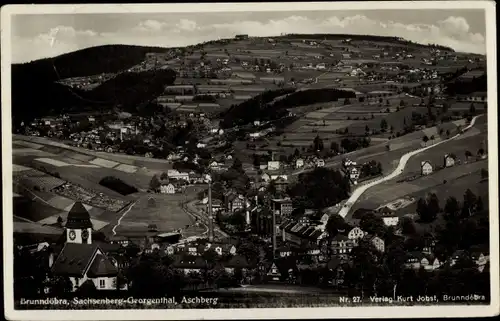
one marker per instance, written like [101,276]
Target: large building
[81,260]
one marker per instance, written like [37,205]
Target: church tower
[78,225]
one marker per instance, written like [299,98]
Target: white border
[292,313]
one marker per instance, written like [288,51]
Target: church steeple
[78,225]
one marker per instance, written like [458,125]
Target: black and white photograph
[236,160]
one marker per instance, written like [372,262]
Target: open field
[33,210]
[84,155]
[436,156]
[398,147]
[166,212]
[465,106]
[468,176]
[26,227]
[30,152]
[46,208]
[25,144]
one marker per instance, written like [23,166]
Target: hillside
[394,40]
[35,92]
[36,97]
[87,62]
[264,107]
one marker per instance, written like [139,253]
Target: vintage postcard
[247,161]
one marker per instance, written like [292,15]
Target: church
[80,259]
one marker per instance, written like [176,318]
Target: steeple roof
[78,217]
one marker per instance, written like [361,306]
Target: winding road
[120,219]
[399,169]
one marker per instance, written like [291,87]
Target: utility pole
[210,213]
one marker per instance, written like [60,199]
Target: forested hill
[35,92]
[262,107]
[86,62]
[32,97]
[395,40]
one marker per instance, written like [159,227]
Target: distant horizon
[463,30]
[249,35]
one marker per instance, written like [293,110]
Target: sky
[41,36]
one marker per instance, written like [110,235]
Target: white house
[321,66]
[215,165]
[320,162]
[390,219]
[449,160]
[299,163]
[175,174]
[167,189]
[354,174]
[426,167]
[173,156]
[355,234]
[377,242]
[273,165]
[276,177]
[201,145]
[265,177]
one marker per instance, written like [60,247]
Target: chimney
[256,200]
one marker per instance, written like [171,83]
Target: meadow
[458,178]
[165,211]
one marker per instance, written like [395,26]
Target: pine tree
[154,184]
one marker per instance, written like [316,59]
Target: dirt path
[121,217]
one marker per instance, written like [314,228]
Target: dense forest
[251,109]
[88,62]
[35,92]
[395,40]
[312,96]
[319,189]
[260,108]
[465,87]
[117,185]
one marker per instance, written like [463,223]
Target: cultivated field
[436,155]
[165,211]
[465,176]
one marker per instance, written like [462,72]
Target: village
[245,174]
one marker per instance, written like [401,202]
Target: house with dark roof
[376,241]
[426,168]
[282,206]
[449,160]
[299,233]
[341,244]
[284,251]
[237,262]
[355,234]
[81,260]
[282,270]
[457,256]
[479,257]
[416,260]
[221,248]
